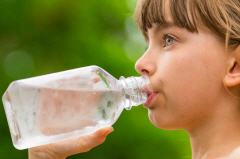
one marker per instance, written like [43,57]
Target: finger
[95,78]
[103,131]
[96,138]
[86,143]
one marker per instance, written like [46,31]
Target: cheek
[185,75]
[191,85]
[187,81]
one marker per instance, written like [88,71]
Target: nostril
[144,71]
[144,67]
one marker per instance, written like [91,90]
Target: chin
[164,123]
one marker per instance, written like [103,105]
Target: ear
[232,77]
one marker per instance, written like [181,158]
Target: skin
[197,81]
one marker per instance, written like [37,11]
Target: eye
[168,40]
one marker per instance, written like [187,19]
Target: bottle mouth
[135,90]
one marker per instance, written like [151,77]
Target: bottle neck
[133,89]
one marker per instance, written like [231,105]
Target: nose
[145,64]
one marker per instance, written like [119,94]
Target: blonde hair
[222,17]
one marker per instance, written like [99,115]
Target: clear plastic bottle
[53,107]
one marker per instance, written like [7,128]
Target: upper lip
[151,93]
[148,90]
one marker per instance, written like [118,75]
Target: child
[193,62]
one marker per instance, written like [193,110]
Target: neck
[218,136]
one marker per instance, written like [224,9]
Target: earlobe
[232,77]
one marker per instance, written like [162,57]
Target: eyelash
[166,37]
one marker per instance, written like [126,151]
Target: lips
[151,95]
[150,99]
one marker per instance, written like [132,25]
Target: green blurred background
[44,36]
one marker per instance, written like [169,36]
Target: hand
[63,149]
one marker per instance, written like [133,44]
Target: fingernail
[111,129]
[108,132]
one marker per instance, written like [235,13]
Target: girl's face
[186,71]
